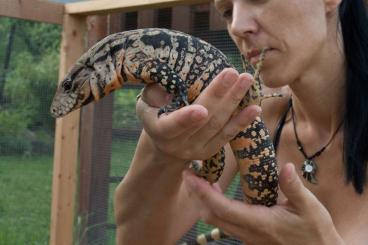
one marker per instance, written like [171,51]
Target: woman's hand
[302,219]
[199,130]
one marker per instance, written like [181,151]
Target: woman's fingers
[215,206]
[299,197]
[253,224]
[302,220]
[225,92]
[172,124]
[221,123]
[219,86]
[199,130]
[236,124]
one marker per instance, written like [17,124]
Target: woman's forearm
[149,201]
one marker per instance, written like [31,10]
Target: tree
[29,53]
[7,60]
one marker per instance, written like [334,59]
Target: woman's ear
[332,5]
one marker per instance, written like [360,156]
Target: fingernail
[290,176]
[227,82]
[228,79]
[243,82]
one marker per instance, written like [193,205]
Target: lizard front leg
[154,70]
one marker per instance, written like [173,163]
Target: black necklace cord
[300,145]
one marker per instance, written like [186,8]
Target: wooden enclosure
[76,135]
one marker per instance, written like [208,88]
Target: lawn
[25,191]
[25,194]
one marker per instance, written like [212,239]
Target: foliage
[31,89]
[124,108]
[13,133]
[25,123]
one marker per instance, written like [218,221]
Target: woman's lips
[253,55]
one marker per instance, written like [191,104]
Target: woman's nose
[243,20]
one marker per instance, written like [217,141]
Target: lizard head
[73,91]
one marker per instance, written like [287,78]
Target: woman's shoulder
[274,108]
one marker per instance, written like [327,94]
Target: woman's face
[294,32]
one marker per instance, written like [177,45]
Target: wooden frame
[33,10]
[111,6]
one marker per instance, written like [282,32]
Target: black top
[280,125]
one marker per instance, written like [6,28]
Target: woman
[318,56]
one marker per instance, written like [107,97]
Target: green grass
[25,196]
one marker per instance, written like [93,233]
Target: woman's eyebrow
[219,3]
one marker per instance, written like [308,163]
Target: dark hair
[354,26]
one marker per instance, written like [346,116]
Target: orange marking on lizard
[194,90]
[241,143]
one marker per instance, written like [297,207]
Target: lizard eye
[67,85]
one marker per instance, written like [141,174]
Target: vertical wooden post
[66,143]
[95,149]
[95,153]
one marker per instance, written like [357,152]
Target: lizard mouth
[66,105]
[88,100]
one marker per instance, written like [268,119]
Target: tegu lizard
[184,66]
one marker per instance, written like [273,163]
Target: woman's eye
[227,14]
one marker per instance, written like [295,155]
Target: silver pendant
[309,169]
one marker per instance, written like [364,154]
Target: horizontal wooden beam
[110,6]
[35,10]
